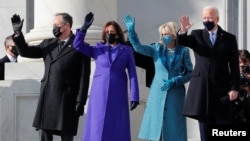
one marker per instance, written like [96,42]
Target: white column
[248,29]
[242,22]
[46,9]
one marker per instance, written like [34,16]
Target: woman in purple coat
[108,111]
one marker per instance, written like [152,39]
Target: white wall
[7,9]
[149,15]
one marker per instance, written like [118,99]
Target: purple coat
[108,110]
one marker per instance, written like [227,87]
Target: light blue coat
[163,113]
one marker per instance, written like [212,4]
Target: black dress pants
[204,126]
[48,136]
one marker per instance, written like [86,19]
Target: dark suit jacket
[2,66]
[65,82]
[215,73]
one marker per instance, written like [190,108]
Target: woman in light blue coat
[163,119]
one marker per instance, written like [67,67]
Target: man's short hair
[7,39]
[66,18]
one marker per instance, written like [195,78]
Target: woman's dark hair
[244,55]
[118,30]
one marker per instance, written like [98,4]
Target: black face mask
[14,50]
[56,31]
[208,25]
[110,38]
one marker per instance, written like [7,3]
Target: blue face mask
[167,39]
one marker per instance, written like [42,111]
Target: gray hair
[212,8]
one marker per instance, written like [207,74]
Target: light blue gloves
[130,23]
[167,84]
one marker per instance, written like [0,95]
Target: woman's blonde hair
[170,28]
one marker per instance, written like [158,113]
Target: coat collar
[219,36]
[106,49]
[5,59]
[176,57]
[68,47]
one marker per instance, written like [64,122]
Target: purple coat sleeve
[134,88]
[81,46]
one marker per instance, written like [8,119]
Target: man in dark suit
[215,79]
[64,86]
[11,55]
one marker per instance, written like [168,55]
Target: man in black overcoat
[64,86]
[215,79]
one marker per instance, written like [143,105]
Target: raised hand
[89,18]
[185,24]
[130,23]
[17,23]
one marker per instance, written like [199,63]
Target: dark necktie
[60,45]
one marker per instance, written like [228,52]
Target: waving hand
[130,23]
[185,24]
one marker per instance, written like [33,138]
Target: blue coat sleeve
[185,70]
[146,50]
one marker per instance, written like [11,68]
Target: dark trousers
[205,123]
[48,136]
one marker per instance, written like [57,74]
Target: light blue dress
[163,112]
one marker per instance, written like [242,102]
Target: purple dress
[108,110]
